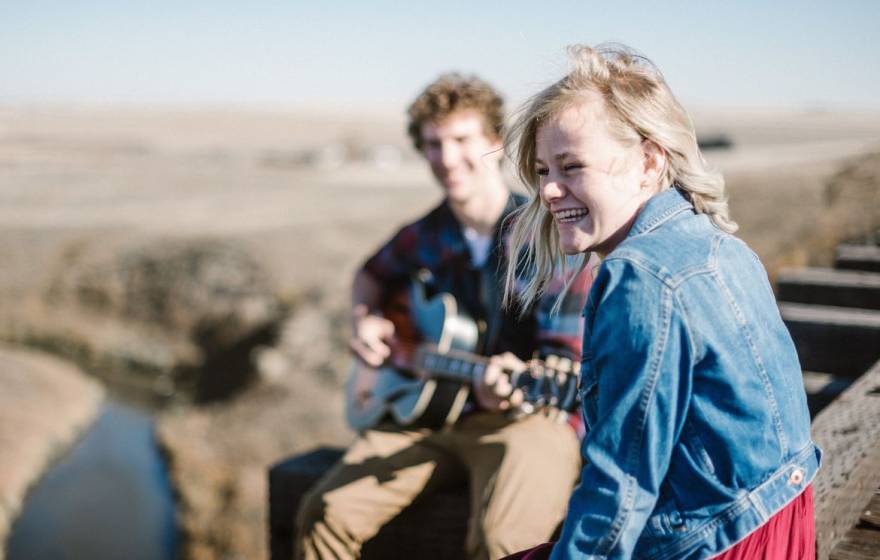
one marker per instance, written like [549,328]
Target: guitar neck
[454,365]
[542,384]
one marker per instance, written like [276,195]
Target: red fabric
[540,552]
[789,535]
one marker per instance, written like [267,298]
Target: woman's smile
[569,215]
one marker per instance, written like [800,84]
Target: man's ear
[497,142]
[654,163]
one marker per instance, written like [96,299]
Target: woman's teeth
[571,215]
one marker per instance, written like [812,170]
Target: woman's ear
[654,162]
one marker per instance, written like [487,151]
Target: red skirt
[789,535]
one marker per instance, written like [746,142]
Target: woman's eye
[572,167]
[541,172]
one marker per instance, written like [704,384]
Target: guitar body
[432,366]
[414,400]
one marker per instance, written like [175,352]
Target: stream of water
[108,498]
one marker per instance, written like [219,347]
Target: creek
[108,497]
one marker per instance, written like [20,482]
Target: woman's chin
[572,248]
[574,241]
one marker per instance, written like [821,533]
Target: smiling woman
[591,183]
[698,435]
[606,112]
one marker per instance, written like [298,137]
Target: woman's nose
[551,190]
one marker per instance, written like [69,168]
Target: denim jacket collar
[659,209]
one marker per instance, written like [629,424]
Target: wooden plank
[858,544]
[822,389]
[847,431]
[840,316]
[858,257]
[839,340]
[827,286]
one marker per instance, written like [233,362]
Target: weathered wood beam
[846,430]
[826,286]
[857,257]
[838,340]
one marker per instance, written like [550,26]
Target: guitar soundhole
[406,338]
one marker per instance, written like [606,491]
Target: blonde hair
[640,106]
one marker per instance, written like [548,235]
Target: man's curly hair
[451,93]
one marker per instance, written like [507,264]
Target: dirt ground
[308,197]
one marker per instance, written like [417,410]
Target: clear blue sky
[381,52]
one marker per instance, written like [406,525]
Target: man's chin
[455,191]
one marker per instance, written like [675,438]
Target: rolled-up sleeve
[638,359]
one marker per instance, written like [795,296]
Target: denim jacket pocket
[587,392]
[666,520]
[691,441]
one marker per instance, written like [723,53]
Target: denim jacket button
[797,476]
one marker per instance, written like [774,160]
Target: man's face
[461,155]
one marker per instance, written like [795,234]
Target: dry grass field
[307,197]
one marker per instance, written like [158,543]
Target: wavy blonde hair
[640,106]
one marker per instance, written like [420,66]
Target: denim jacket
[692,394]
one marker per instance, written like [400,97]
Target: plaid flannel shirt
[436,243]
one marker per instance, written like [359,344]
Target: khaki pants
[521,475]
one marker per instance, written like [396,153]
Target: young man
[521,469]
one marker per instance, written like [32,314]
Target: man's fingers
[369,338]
[503,388]
[370,355]
[490,374]
[378,348]
[510,362]
[387,328]
[494,389]
[516,398]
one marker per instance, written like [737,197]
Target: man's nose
[450,154]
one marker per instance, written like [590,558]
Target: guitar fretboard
[452,365]
[544,385]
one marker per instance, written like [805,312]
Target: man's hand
[370,336]
[493,389]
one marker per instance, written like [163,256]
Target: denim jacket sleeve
[635,383]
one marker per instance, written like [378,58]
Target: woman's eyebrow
[563,155]
[557,157]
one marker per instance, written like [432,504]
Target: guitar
[427,380]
